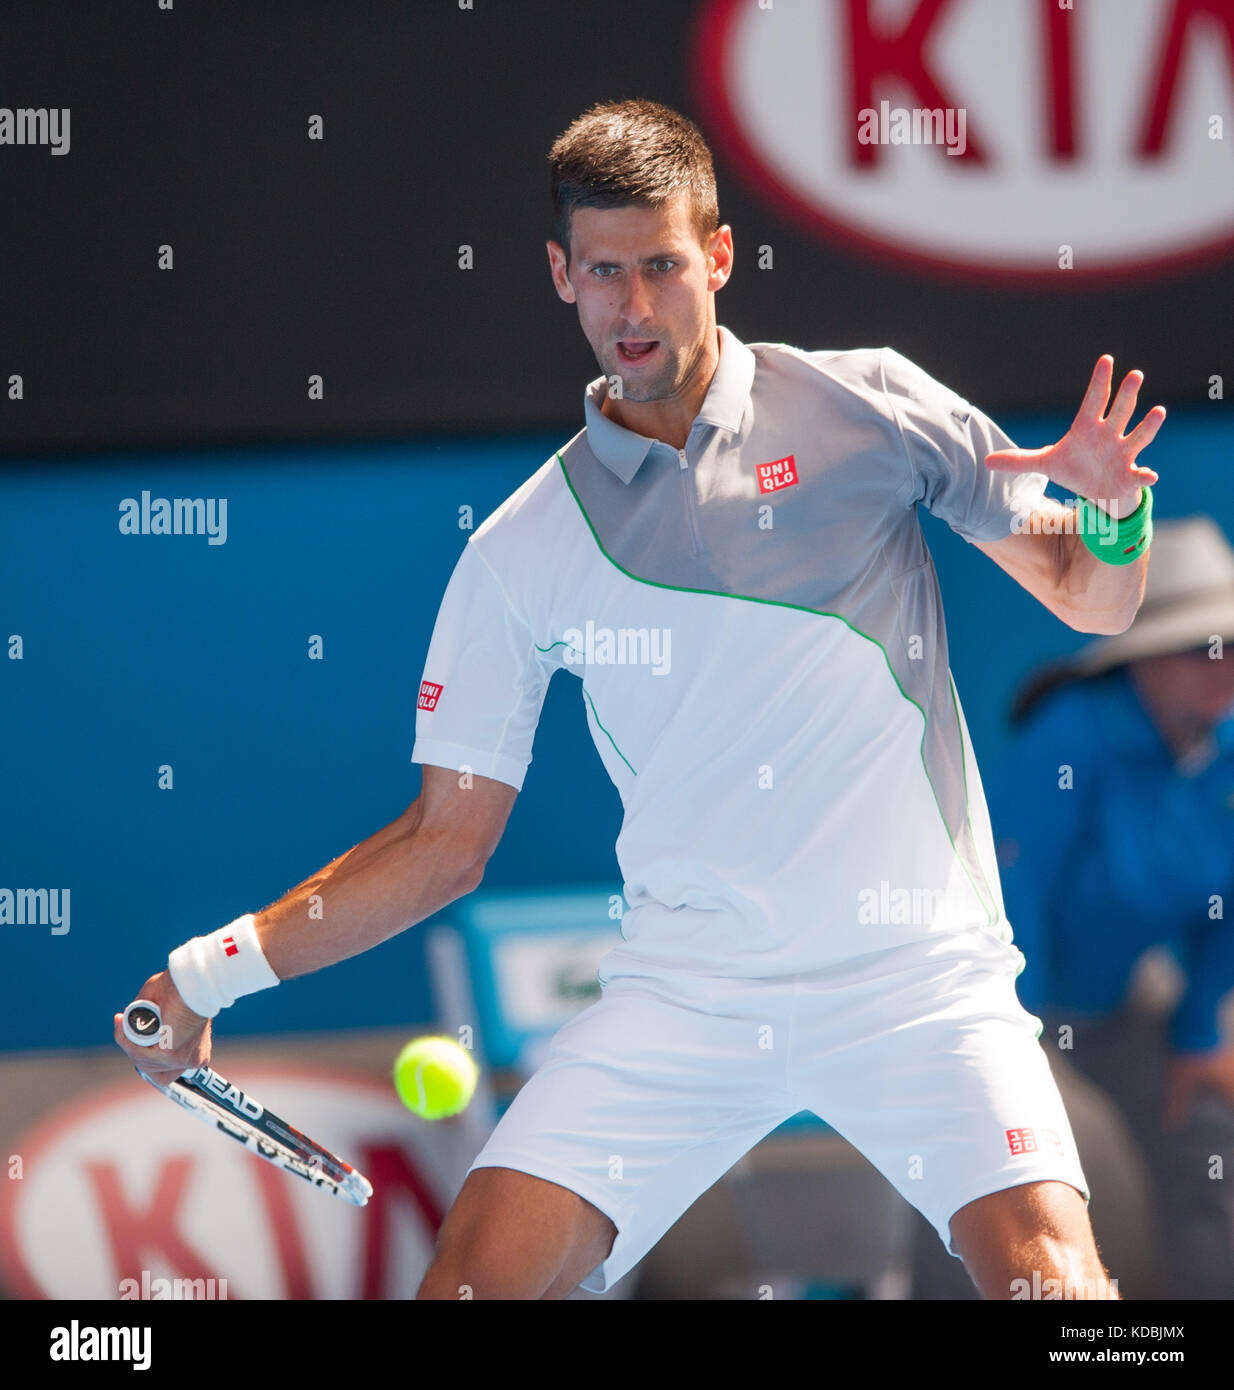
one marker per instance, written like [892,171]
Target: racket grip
[142,1022]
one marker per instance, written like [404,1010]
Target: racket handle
[142,1022]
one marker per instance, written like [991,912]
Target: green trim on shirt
[800,608]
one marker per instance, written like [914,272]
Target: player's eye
[663,265]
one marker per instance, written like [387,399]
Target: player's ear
[559,271]
[720,253]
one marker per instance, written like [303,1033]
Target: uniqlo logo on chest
[429,695]
[777,474]
[1031,1141]
[229,946]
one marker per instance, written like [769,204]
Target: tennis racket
[214,1100]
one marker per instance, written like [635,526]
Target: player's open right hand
[184,1042]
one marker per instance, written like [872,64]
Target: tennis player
[729,560]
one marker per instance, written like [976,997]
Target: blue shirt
[1137,851]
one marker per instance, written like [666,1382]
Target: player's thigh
[643,1101]
[508,1227]
[937,1076]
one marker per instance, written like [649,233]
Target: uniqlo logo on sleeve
[1022,1141]
[429,695]
[773,476]
[229,946]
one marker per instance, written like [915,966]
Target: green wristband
[1116,541]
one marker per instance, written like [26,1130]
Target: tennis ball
[434,1077]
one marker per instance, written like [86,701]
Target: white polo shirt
[756,626]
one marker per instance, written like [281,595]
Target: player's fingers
[160,1066]
[1146,431]
[156,1063]
[1092,407]
[124,1044]
[1124,402]
[1014,460]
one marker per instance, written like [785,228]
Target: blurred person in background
[1114,822]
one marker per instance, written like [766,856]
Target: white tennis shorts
[922,1057]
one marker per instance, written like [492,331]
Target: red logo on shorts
[1021,1141]
[1031,1141]
[229,946]
[773,476]
[429,694]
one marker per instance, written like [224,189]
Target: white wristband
[212,972]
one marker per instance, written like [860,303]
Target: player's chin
[645,391]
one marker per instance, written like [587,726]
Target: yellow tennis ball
[434,1077]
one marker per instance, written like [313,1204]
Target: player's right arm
[484,683]
[430,856]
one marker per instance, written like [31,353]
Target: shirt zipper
[687,483]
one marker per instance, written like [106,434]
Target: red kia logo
[122,1196]
[1009,140]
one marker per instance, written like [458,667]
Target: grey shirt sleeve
[946,440]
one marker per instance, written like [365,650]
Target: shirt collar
[622,451]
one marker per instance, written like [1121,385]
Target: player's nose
[636,307]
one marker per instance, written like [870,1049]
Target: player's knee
[1033,1241]
[450,1279]
[488,1265]
[441,1281]
[1063,1270]
[511,1235]
[477,1259]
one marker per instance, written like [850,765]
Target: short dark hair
[631,153]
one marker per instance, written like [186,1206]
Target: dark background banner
[340,256]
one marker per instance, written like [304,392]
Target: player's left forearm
[1098,597]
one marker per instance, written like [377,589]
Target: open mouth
[637,349]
